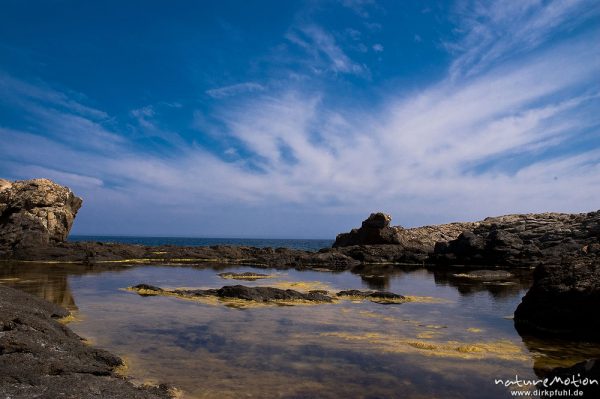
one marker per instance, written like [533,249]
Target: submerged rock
[256,294]
[268,294]
[485,275]
[563,300]
[35,213]
[374,296]
[40,357]
[244,276]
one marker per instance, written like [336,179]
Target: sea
[304,244]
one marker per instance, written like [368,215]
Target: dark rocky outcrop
[522,240]
[35,213]
[42,358]
[256,294]
[268,294]
[564,299]
[374,296]
[376,230]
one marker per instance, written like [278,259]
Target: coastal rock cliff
[521,240]
[35,213]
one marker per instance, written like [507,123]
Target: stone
[42,358]
[35,213]
[377,220]
[563,300]
[375,230]
[525,240]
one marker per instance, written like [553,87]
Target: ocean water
[308,245]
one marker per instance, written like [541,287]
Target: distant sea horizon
[307,244]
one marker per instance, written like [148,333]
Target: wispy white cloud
[491,31]
[19,91]
[234,90]
[326,53]
[360,7]
[425,156]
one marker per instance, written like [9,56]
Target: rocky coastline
[40,357]
[37,215]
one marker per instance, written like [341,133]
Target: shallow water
[452,344]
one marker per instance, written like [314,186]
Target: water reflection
[49,283]
[378,277]
[520,280]
[451,348]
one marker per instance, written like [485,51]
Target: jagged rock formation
[564,298]
[42,358]
[34,213]
[522,240]
[376,230]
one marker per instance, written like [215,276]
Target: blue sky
[298,119]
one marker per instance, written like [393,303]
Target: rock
[35,213]
[268,294]
[377,220]
[485,275]
[243,276]
[42,358]
[374,296]
[521,240]
[586,374]
[563,300]
[256,294]
[375,230]
[377,241]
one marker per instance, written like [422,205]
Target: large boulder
[375,230]
[35,213]
[564,298]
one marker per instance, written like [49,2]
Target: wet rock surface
[266,294]
[270,294]
[375,296]
[564,299]
[256,294]
[42,358]
[34,213]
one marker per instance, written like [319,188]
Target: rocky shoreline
[36,217]
[42,358]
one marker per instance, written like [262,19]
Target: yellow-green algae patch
[474,330]
[245,276]
[425,299]
[68,319]
[500,349]
[302,286]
